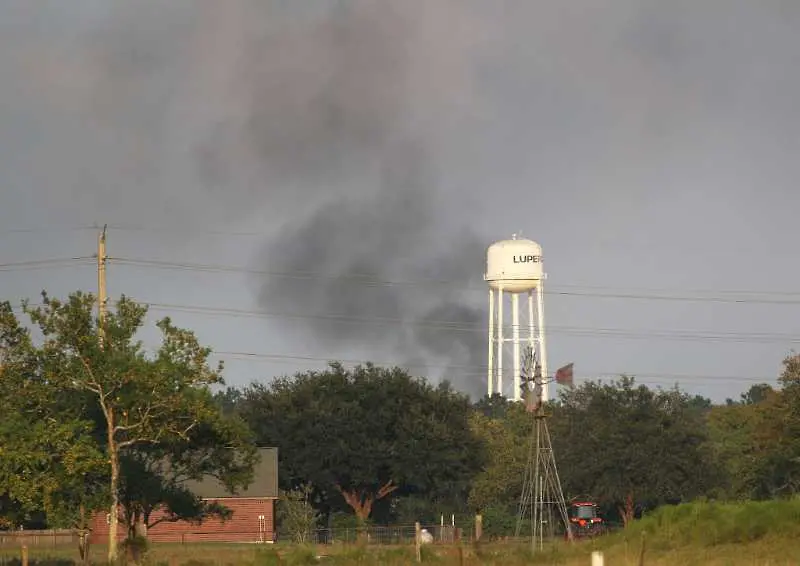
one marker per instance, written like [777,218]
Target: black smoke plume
[361,245]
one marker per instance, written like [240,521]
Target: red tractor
[584,519]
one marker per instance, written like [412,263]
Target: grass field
[714,534]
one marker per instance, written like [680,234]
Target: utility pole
[113,524]
[102,299]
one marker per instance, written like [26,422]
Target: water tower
[513,268]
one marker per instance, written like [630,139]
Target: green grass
[713,534]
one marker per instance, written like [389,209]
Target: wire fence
[388,535]
[45,538]
[374,535]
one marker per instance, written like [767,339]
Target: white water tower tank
[514,265]
[514,271]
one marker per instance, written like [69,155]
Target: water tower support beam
[531,325]
[542,346]
[490,373]
[515,342]
[500,341]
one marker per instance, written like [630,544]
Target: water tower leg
[500,341]
[531,325]
[490,373]
[542,345]
[515,342]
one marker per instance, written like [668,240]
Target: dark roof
[264,484]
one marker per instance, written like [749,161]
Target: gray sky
[648,146]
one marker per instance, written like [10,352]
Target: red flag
[564,375]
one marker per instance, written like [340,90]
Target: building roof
[264,484]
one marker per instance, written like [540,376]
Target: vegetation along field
[94,424]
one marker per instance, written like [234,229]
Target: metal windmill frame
[542,498]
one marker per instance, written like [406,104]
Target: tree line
[93,420]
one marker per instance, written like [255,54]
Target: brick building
[252,519]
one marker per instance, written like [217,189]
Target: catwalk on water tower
[514,268]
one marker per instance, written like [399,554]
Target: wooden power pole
[102,298]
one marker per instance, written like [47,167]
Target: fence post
[418,540]
[597,558]
[641,553]
[478,527]
[24,555]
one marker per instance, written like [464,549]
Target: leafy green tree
[49,460]
[154,478]
[499,483]
[495,407]
[733,444]
[143,400]
[296,515]
[777,430]
[228,400]
[630,446]
[366,434]
[757,393]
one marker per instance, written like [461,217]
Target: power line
[442,325]
[478,370]
[720,296]
[676,334]
[133,228]
[32,230]
[455,326]
[481,370]
[44,263]
[184,230]
[716,295]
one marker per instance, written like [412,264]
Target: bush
[710,524]
[300,556]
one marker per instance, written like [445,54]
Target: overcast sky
[650,148]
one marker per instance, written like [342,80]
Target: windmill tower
[542,499]
[514,269]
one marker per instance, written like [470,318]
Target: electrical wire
[184,230]
[47,229]
[481,370]
[44,263]
[690,335]
[454,326]
[720,296]
[724,296]
[471,370]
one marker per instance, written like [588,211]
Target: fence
[391,535]
[378,535]
[52,538]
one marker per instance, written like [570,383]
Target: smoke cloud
[359,105]
[373,138]
[334,119]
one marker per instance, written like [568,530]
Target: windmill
[542,499]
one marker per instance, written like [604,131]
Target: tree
[154,477]
[494,407]
[631,446]
[777,447]
[228,400]
[49,461]
[757,393]
[142,400]
[499,483]
[296,515]
[365,434]
[732,443]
